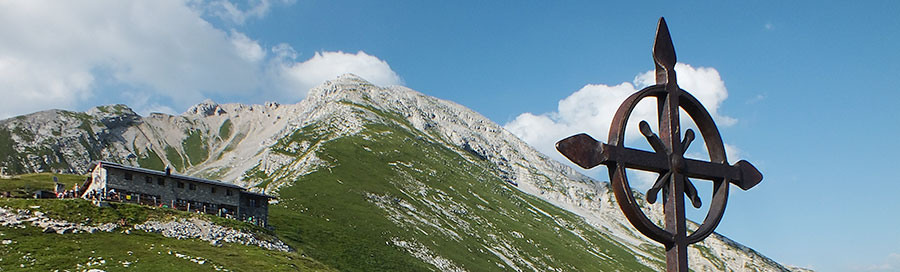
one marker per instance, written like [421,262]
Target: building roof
[163,174]
[257,194]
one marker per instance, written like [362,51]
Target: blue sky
[809,87]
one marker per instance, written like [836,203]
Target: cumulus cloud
[247,48]
[301,76]
[75,55]
[704,83]
[590,110]
[230,12]
[54,53]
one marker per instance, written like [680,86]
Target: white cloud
[142,103]
[55,53]
[299,77]
[891,263]
[590,110]
[228,11]
[704,83]
[284,52]
[733,153]
[74,55]
[248,49]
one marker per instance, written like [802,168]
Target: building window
[212,190]
[148,180]
[127,176]
[228,192]
[253,203]
[161,181]
[191,186]
[180,184]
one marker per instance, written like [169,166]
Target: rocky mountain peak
[116,115]
[205,108]
[338,88]
[351,77]
[109,110]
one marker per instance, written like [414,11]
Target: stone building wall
[110,181]
[169,189]
[254,206]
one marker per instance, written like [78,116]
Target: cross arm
[587,152]
[743,174]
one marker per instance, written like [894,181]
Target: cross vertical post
[670,134]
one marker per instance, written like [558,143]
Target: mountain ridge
[273,146]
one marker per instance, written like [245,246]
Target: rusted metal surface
[667,159]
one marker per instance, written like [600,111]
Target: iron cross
[667,159]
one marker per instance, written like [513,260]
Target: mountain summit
[376,178]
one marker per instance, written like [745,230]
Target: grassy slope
[8,154]
[25,185]
[431,196]
[31,249]
[149,159]
[39,251]
[195,148]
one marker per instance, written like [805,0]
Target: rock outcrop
[204,230]
[193,228]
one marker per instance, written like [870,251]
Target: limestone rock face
[205,108]
[114,116]
[235,143]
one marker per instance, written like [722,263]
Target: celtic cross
[667,159]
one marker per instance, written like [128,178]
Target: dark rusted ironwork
[675,171]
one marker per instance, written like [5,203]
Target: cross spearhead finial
[664,54]
[663,49]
